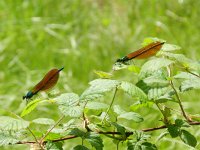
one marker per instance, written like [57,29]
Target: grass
[83,36]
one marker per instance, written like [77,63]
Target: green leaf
[119,128]
[45,121]
[138,105]
[69,104]
[52,136]
[143,86]
[8,123]
[98,88]
[132,146]
[80,147]
[119,65]
[78,132]
[102,74]
[141,146]
[148,77]
[188,138]
[178,57]
[96,105]
[148,146]
[173,130]
[118,110]
[134,68]
[7,139]
[158,93]
[170,47]
[95,140]
[179,122]
[30,107]
[54,145]
[73,111]
[149,40]
[133,91]
[68,99]
[131,116]
[155,81]
[184,75]
[190,84]
[162,135]
[155,64]
[69,124]
[167,112]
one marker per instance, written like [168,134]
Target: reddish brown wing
[147,51]
[49,80]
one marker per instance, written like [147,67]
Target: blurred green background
[83,36]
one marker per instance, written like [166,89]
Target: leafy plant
[160,81]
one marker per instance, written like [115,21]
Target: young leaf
[133,91]
[99,87]
[188,138]
[131,116]
[155,64]
[149,40]
[102,74]
[7,139]
[30,107]
[45,121]
[96,105]
[80,147]
[95,140]
[167,112]
[8,123]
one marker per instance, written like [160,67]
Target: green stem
[110,105]
[165,118]
[192,73]
[177,95]
[42,139]
[118,146]
[34,136]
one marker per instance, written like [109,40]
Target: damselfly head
[28,95]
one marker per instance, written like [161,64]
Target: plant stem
[110,105]
[165,118]
[86,122]
[192,73]
[106,133]
[177,95]
[118,146]
[33,135]
[42,139]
